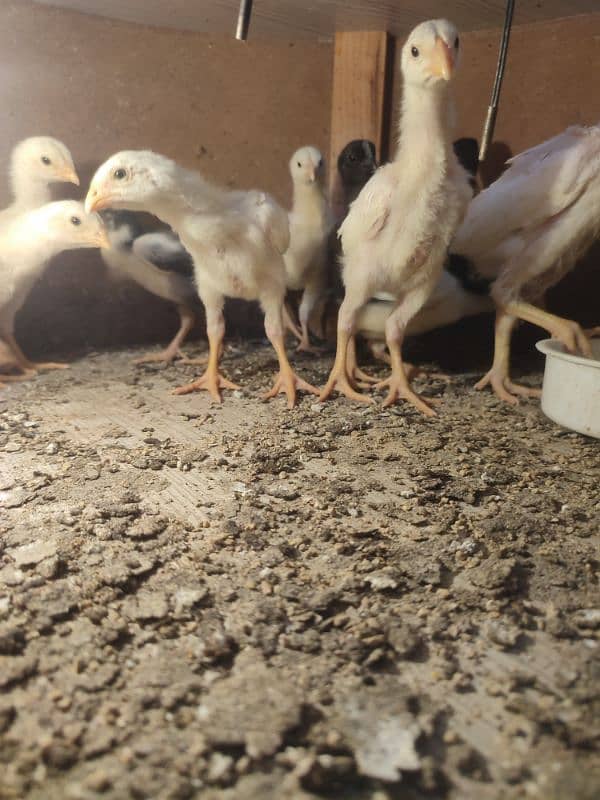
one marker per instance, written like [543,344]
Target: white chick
[526,231]
[28,243]
[459,293]
[236,240]
[34,164]
[310,222]
[396,235]
[157,262]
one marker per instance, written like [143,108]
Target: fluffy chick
[34,164]
[236,240]
[526,231]
[157,262]
[28,243]
[397,232]
[310,222]
[459,293]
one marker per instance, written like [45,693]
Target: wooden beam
[359,94]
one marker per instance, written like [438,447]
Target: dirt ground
[239,601]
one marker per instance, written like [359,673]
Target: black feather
[466,274]
[356,164]
[115,220]
[167,258]
[467,152]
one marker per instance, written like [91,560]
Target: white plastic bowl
[571,390]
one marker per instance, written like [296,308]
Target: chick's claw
[288,382]
[163,357]
[505,389]
[398,389]
[212,382]
[340,382]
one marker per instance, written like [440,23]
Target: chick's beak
[101,238]
[70,176]
[96,201]
[312,175]
[442,60]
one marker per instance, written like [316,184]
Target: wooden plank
[358,95]
[297,19]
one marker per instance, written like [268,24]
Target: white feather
[529,227]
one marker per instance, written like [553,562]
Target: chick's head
[68,224]
[307,166]
[357,162]
[45,159]
[430,54]
[130,179]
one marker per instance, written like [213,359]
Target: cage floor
[242,601]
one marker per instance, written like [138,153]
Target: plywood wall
[234,110]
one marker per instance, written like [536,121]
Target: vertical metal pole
[243,22]
[490,120]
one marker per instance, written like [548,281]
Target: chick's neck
[182,194]
[425,126]
[29,192]
[307,192]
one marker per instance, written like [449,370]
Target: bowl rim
[554,348]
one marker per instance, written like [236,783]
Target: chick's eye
[75,220]
[414,51]
[46,160]
[456,43]
[299,163]
[119,173]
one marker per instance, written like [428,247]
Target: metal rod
[243,22]
[490,120]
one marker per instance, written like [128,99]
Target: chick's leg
[378,349]
[339,377]
[173,350]
[356,374]
[29,367]
[9,361]
[395,327]
[567,331]
[212,381]
[498,376]
[288,321]
[286,381]
[310,297]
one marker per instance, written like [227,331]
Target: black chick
[356,163]
[159,263]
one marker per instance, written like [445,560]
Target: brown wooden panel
[295,19]
[358,93]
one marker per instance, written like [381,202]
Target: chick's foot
[211,382]
[288,382]
[399,389]
[340,381]
[166,356]
[506,389]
